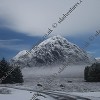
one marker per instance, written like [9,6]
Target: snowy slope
[20,54]
[54,50]
[98,59]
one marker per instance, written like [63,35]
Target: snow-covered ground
[79,95]
[90,95]
[22,95]
[16,94]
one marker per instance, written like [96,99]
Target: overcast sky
[23,22]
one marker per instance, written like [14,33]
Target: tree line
[92,73]
[15,75]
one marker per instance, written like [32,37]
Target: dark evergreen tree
[17,75]
[92,73]
[86,71]
[3,68]
[11,74]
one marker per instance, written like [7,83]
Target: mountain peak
[55,40]
[54,50]
[56,37]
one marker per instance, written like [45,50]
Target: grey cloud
[34,17]
[13,44]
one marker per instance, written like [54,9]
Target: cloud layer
[12,44]
[34,17]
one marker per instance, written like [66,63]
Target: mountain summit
[54,50]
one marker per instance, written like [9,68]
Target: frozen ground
[17,94]
[90,95]
[22,95]
[63,84]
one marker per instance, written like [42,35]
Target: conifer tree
[12,74]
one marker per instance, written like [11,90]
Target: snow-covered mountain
[54,50]
[20,54]
[98,60]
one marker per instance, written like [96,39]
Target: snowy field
[90,95]
[16,94]
[63,84]
[21,95]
